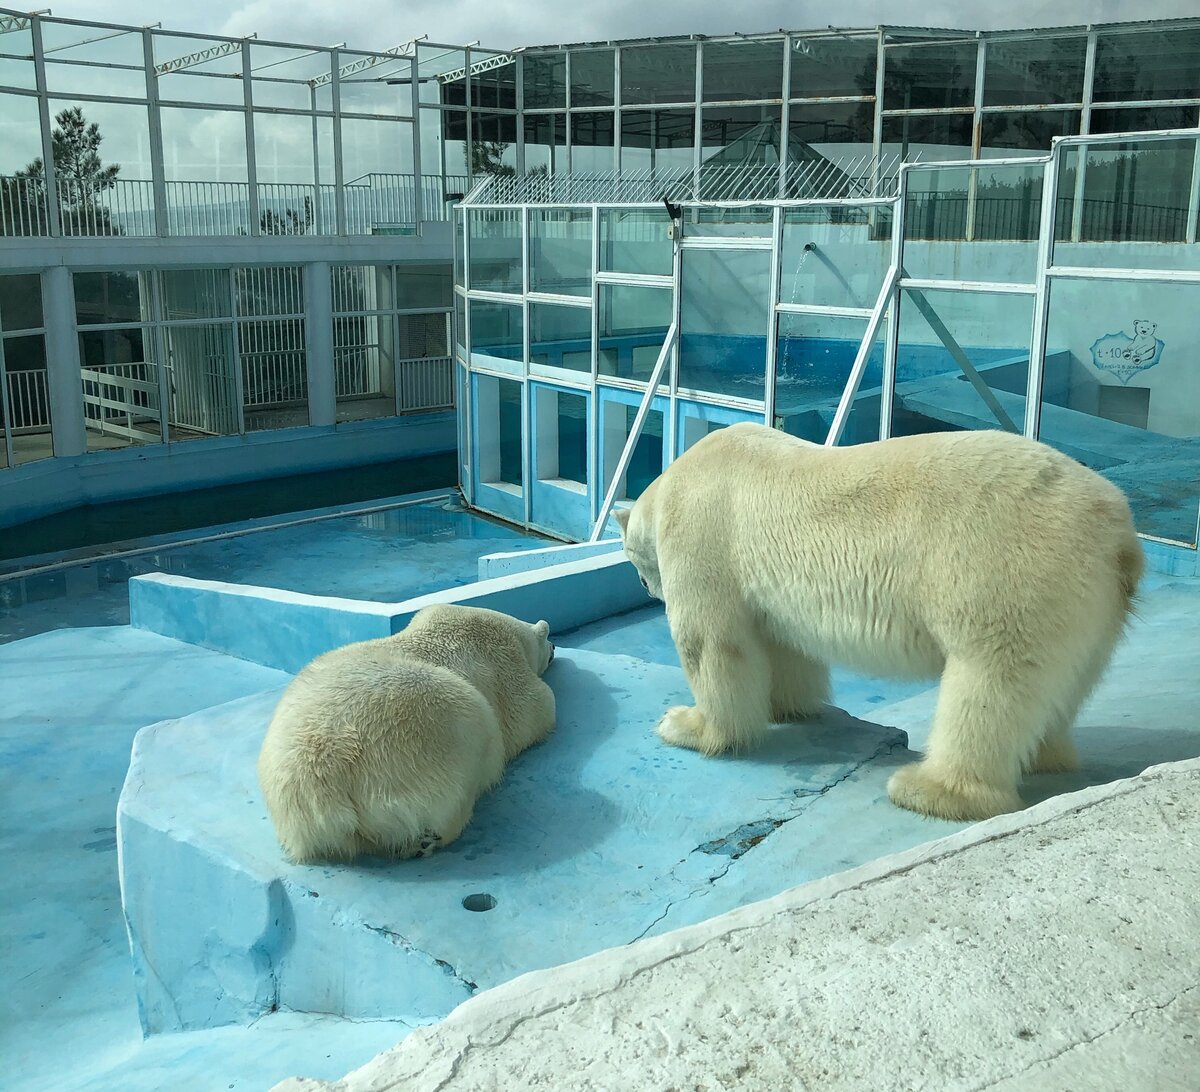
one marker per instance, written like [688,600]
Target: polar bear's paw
[427,843]
[919,789]
[685,726]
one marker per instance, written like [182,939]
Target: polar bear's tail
[1131,562]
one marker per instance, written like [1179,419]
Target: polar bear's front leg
[731,683]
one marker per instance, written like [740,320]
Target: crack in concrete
[762,829]
[403,942]
[1041,1063]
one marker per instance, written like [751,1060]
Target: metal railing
[125,206]
[425,384]
[28,401]
[635,432]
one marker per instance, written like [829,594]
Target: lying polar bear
[384,746]
[993,560]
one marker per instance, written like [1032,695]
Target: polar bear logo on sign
[1125,356]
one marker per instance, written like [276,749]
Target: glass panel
[736,140]
[103,298]
[495,250]
[20,302]
[929,76]
[283,150]
[500,433]
[454,147]
[1033,71]
[282,75]
[545,143]
[494,88]
[560,251]
[1153,64]
[560,337]
[836,130]
[963,362]
[204,159]
[633,323]
[1122,393]
[371,146]
[1002,134]
[658,73]
[66,45]
[570,419]
[1006,204]
[636,241]
[22,191]
[120,388]
[658,140]
[752,222]
[494,144]
[421,284]
[1128,194]
[274,373]
[724,311]
[592,143]
[217,81]
[496,334]
[368,92]
[646,460]
[16,62]
[1133,119]
[828,67]
[592,77]
[460,325]
[834,256]
[24,360]
[814,357]
[200,381]
[102,165]
[364,367]
[360,288]
[424,362]
[545,80]
[743,70]
[195,293]
[927,137]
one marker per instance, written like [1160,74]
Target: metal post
[418,181]
[976,135]
[251,150]
[158,344]
[858,369]
[772,362]
[1041,301]
[339,180]
[238,382]
[53,210]
[785,118]
[1085,126]
[635,433]
[892,343]
[1194,195]
[319,204]
[698,140]
[527,467]
[158,173]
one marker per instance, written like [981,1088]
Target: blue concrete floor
[383,556]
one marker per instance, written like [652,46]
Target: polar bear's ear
[621,517]
[542,628]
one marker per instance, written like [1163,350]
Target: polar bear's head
[637,531]
[1142,328]
[456,627]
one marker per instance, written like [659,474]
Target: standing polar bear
[992,560]
[384,746]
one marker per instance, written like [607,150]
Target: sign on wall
[1126,355]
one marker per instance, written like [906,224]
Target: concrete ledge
[596,837]
[285,629]
[1053,948]
[524,561]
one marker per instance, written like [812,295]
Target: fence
[28,401]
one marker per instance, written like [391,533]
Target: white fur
[384,746]
[992,560]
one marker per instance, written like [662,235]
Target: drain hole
[479,903]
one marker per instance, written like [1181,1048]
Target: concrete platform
[1048,950]
[599,836]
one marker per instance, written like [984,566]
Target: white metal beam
[406,50]
[212,53]
[498,60]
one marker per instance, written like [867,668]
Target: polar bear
[384,746]
[1144,344]
[992,560]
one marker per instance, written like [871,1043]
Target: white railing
[356,372]
[28,401]
[200,208]
[117,398]
[426,384]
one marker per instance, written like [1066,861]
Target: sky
[505,24]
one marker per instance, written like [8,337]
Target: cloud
[505,24]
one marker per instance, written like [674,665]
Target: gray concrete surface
[1054,949]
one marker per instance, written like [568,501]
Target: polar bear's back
[932,535]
